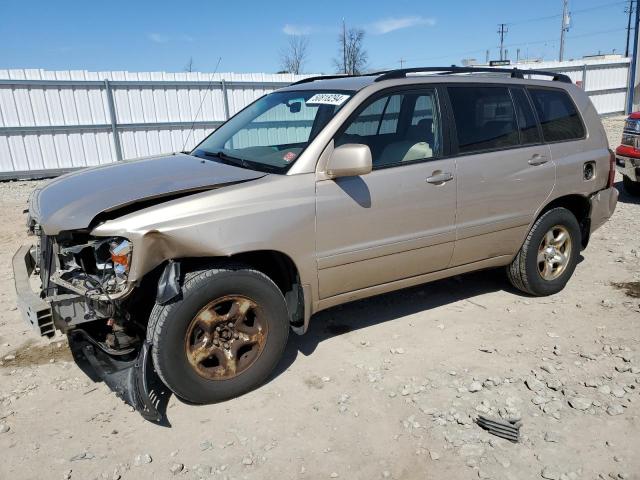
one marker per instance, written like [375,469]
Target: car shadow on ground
[365,313]
[624,196]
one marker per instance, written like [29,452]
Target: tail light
[612,168]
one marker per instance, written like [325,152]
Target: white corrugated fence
[54,121]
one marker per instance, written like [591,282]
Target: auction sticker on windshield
[328,99]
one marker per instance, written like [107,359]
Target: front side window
[398,128]
[558,115]
[485,118]
[271,133]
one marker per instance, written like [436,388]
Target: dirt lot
[381,388]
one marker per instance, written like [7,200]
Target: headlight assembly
[98,266]
[120,250]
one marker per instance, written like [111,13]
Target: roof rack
[515,72]
[341,75]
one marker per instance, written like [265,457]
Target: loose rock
[475,387]
[550,474]
[142,459]
[614,410]
[580,403]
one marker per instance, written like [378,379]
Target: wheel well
[282,270]
[275,265]
[580,207]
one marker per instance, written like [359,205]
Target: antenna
[215,70]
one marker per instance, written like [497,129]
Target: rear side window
[485,118]
[558,115]
[529,133]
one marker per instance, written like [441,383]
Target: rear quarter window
[558,115]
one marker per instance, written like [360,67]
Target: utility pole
[401,61]
[629,10]
[517,55]
[344,45]
[564,27]
[634,62]
[502,31]
[487,58]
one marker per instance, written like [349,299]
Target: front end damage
[84,292]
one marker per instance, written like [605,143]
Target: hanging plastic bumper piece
[133,379]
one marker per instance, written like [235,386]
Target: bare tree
[189,66]
[353,56]
[293,57]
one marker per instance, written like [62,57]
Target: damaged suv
[196,265]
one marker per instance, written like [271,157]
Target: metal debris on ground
[507,429]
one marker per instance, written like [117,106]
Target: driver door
[398,221]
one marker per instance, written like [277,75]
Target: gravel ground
[381,388]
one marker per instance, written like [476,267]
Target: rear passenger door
[505,171]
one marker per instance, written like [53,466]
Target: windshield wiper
[228,159]
[240,162]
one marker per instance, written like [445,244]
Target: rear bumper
[603,204]
[35,311]
[627,167]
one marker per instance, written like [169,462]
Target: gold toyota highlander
[192,267]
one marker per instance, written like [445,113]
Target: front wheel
[549,255]
[222,337]
[631,187]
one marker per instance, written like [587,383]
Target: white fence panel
[605,81]
[52,121]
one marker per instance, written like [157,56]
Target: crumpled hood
[72,201]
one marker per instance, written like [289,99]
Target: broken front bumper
[36,312]
[133,378]
[603,204]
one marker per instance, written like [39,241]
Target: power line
[573,12]
[511,45]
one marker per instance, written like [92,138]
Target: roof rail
[515,72]
[341,75]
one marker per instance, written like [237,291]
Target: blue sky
[162,35]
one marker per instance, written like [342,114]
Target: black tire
[631,187]
[524,273]
[169,325]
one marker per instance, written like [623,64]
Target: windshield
[270,134]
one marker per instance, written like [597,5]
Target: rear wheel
[631,187]
[549,255]
[222,337]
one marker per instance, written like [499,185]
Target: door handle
[538,159]
[440,178]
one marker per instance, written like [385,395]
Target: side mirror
[350,160]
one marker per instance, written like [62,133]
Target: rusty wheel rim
[226,337]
